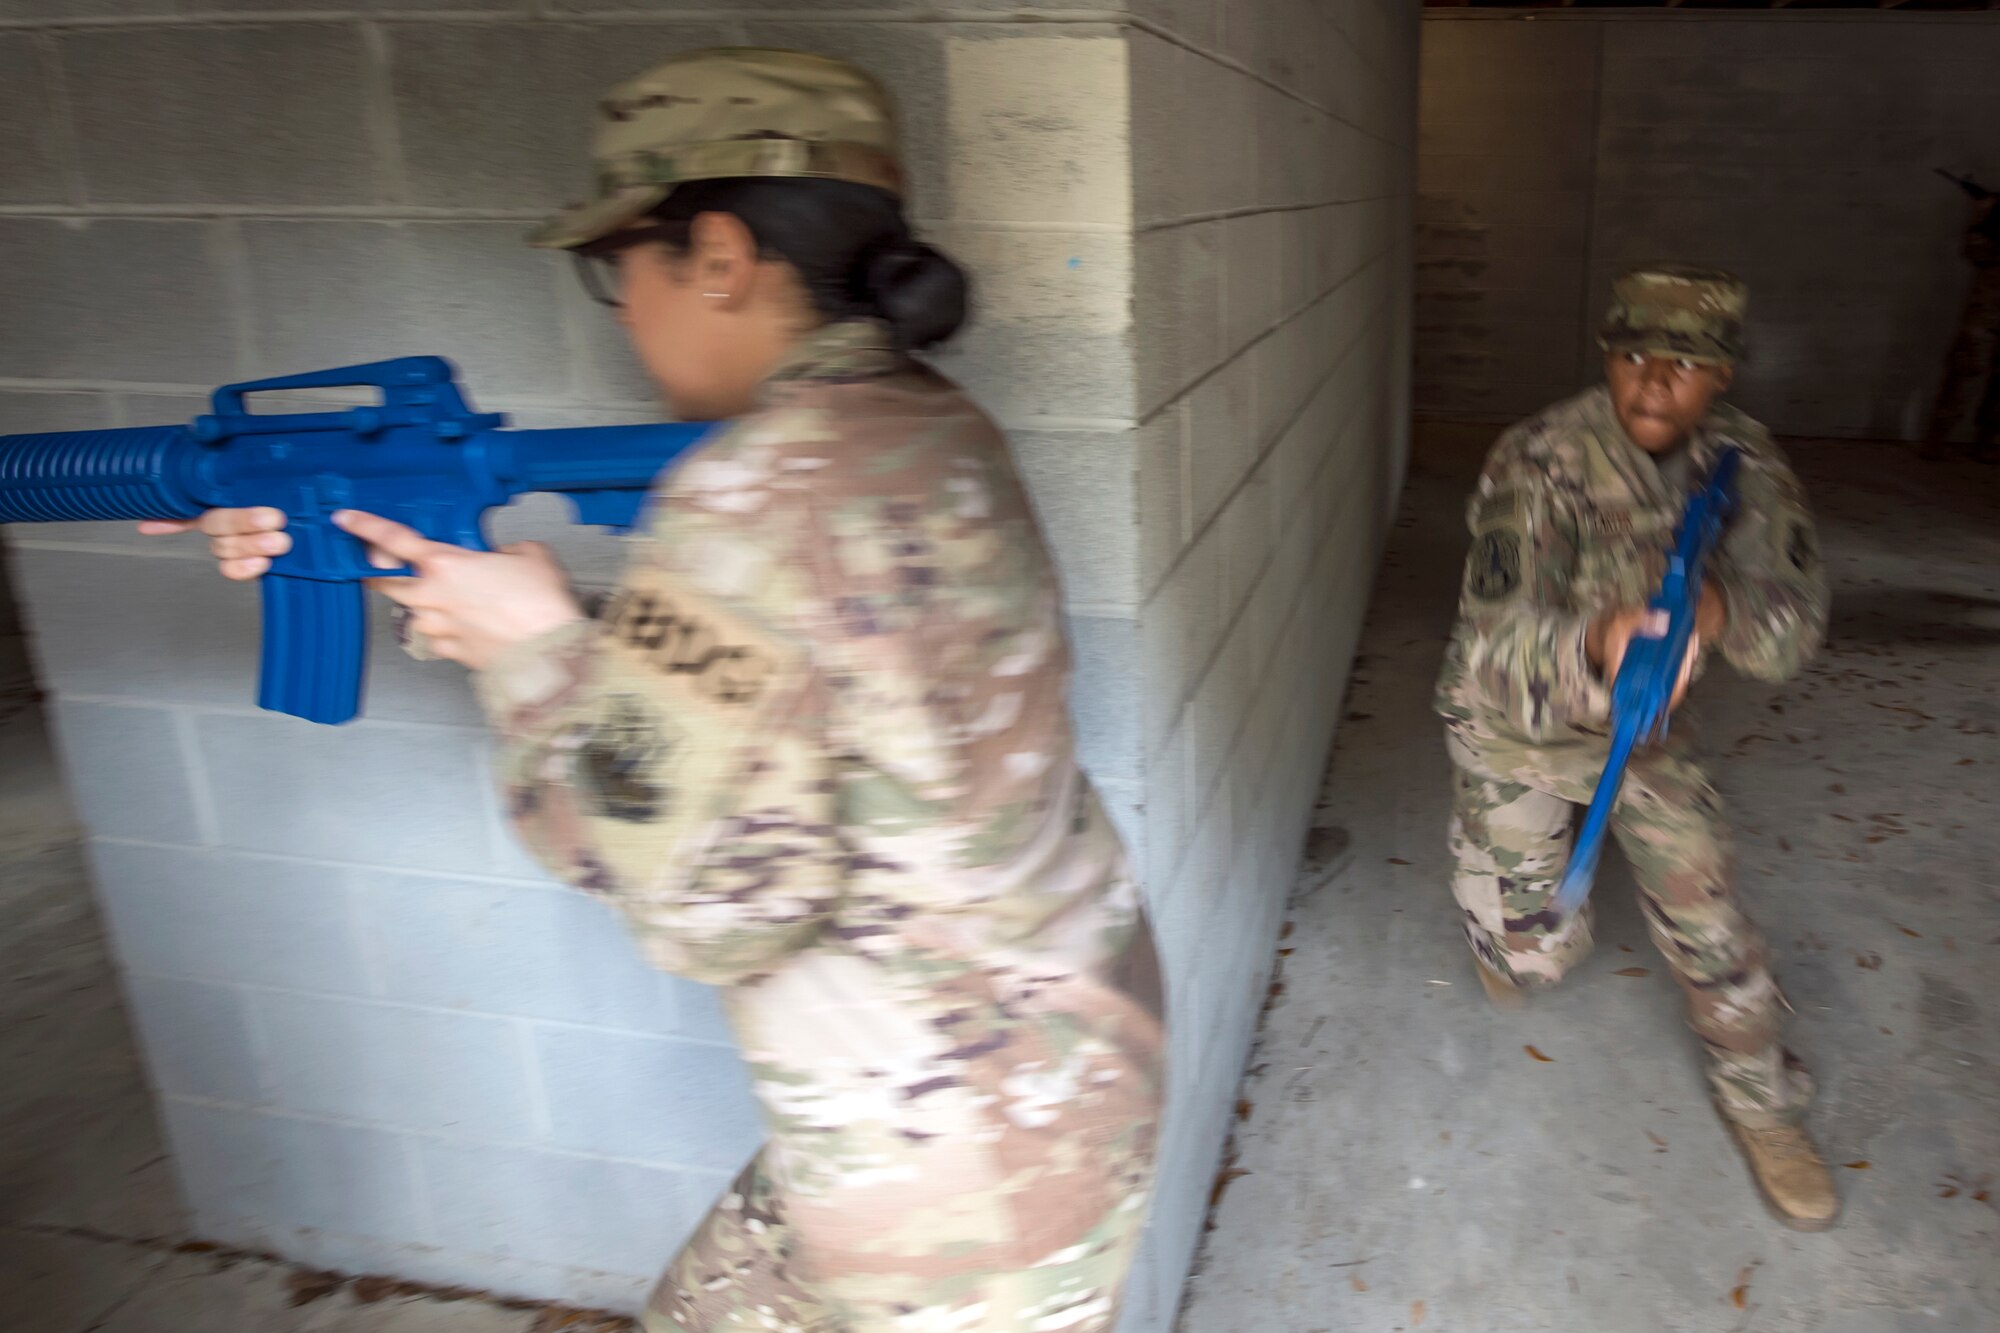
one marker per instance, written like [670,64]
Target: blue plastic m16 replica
[1642,695]
[421,456]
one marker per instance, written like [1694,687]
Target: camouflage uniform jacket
[1981,243]
[1572,520]
[816,747]
[1982,250]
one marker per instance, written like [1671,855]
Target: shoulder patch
[1494,569]
[625,757]
[693,695]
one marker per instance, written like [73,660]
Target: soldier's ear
[725,253]
[1725,375]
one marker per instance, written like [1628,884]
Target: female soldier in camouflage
[816,747]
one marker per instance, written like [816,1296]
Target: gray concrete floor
[1404,1162]
[1407,1163]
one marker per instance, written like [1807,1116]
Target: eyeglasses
[598,264]
[599,276]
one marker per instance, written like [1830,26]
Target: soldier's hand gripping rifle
[421,456]
[1642,695]
[1978,193]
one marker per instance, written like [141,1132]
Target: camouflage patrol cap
[1694,313]
[730,111]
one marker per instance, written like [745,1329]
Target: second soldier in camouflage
[1571,526]
[1972,365]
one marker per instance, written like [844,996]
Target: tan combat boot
[1504,991]
[1789,1174]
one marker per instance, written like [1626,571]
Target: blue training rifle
[1642,695]
[420,456]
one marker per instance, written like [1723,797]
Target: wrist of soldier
[533,670]
[1596,641]
[1586,688]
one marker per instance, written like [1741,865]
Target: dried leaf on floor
[1658,1142]
[557,1319]
[303,1288]
[374,1290]
[1418,1311]
[1354,1280]
[1861,1164]
[1868,962]
[1906,930]
[1740,1297]
[1633,972]
[1545,1059]
[1397,861]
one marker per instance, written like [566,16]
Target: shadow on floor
[1919,617]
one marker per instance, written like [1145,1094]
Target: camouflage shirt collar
[842,352]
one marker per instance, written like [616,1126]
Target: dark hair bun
[920,293]
[849,243]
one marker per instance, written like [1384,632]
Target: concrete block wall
[1273,159]
[382,1039]
[1795,148]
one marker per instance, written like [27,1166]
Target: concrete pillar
[1272,161]
[382,1039]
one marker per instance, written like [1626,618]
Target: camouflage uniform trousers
[740,1272]
[1973,361]
[1513,811]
